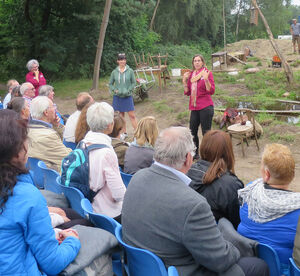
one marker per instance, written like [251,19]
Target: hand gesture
[185,77]
[57,210]
[205,74]
[62,235]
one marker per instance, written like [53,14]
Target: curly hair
[13,133]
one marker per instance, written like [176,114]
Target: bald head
[172,146]
[83,99]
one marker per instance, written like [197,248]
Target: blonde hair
[146,131]
[279,161]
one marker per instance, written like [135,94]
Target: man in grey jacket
[161,213]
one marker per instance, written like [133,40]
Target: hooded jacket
[122,84]
[221,194]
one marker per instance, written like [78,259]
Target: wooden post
[225,48]
[154,14]
[100,44]
[287,68]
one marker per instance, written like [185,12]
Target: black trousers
[201,117]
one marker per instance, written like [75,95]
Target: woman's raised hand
[205,74]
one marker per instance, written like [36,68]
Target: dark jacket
[221,194]
[120,148]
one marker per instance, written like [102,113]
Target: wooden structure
[254,16]
[222,58]
[243,132]
[156,64]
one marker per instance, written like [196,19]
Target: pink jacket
[203,96]
[30,77]
[105,175]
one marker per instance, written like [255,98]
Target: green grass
[183,115]
[265,118]
[162,106]
[253,59]
[275,137]
[70,88]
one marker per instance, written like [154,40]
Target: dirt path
[166,107]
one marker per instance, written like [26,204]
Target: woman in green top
[121,85]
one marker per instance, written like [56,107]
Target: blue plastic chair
[293,268]
[106,223]
[126,178]
[36,172]
[50,177]
[99,220]
[1,105]
[269,255]
[143,262]
[74,197]
[70,145]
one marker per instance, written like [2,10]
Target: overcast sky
[296,2]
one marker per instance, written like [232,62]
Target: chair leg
[242,144]
[246,141]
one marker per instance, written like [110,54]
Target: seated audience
[119,145]
[83,99]
[27,239]
[82,127]
[16,92]
[45,142]
[270,211]
[27,91]
[139,155]
[105,178]
[162,214]
[19,105]
[213,176]
[11,84]
[296,251]
[48,91]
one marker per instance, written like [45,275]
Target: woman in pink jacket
[34,76]
[199,85]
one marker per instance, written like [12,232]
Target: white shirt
[6,100]
[105,176]
[70,127]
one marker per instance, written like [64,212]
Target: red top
[203,96]
[30,77]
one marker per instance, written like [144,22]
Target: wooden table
[220,56]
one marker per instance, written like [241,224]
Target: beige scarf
[194,79]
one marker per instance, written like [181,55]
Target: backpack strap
[95,146]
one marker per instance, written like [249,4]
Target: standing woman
[199,85]
[34,76]
[121,85]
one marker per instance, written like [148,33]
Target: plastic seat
[50,176]
[293,268]
[70,145]
[269,255]
[99,220]
[36,172]
[74,197]
[126,178]
[143,262]
[106,223]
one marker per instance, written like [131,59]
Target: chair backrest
[101,221]
[70,145]
[293,268]
[126,178]
[74,197]
[141,261]
[50,177]
[269,255]
[36,172]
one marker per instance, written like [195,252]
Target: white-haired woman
[34,76]
[105,178]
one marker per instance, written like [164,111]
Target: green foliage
[275,137]
[265,118]
[162,106]
[184,115]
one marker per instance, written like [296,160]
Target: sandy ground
[166,105]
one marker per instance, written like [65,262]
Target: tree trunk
[287,68]
[224,26]
[154,14]
[100,44]
[238,21]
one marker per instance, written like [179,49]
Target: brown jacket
[120,148]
